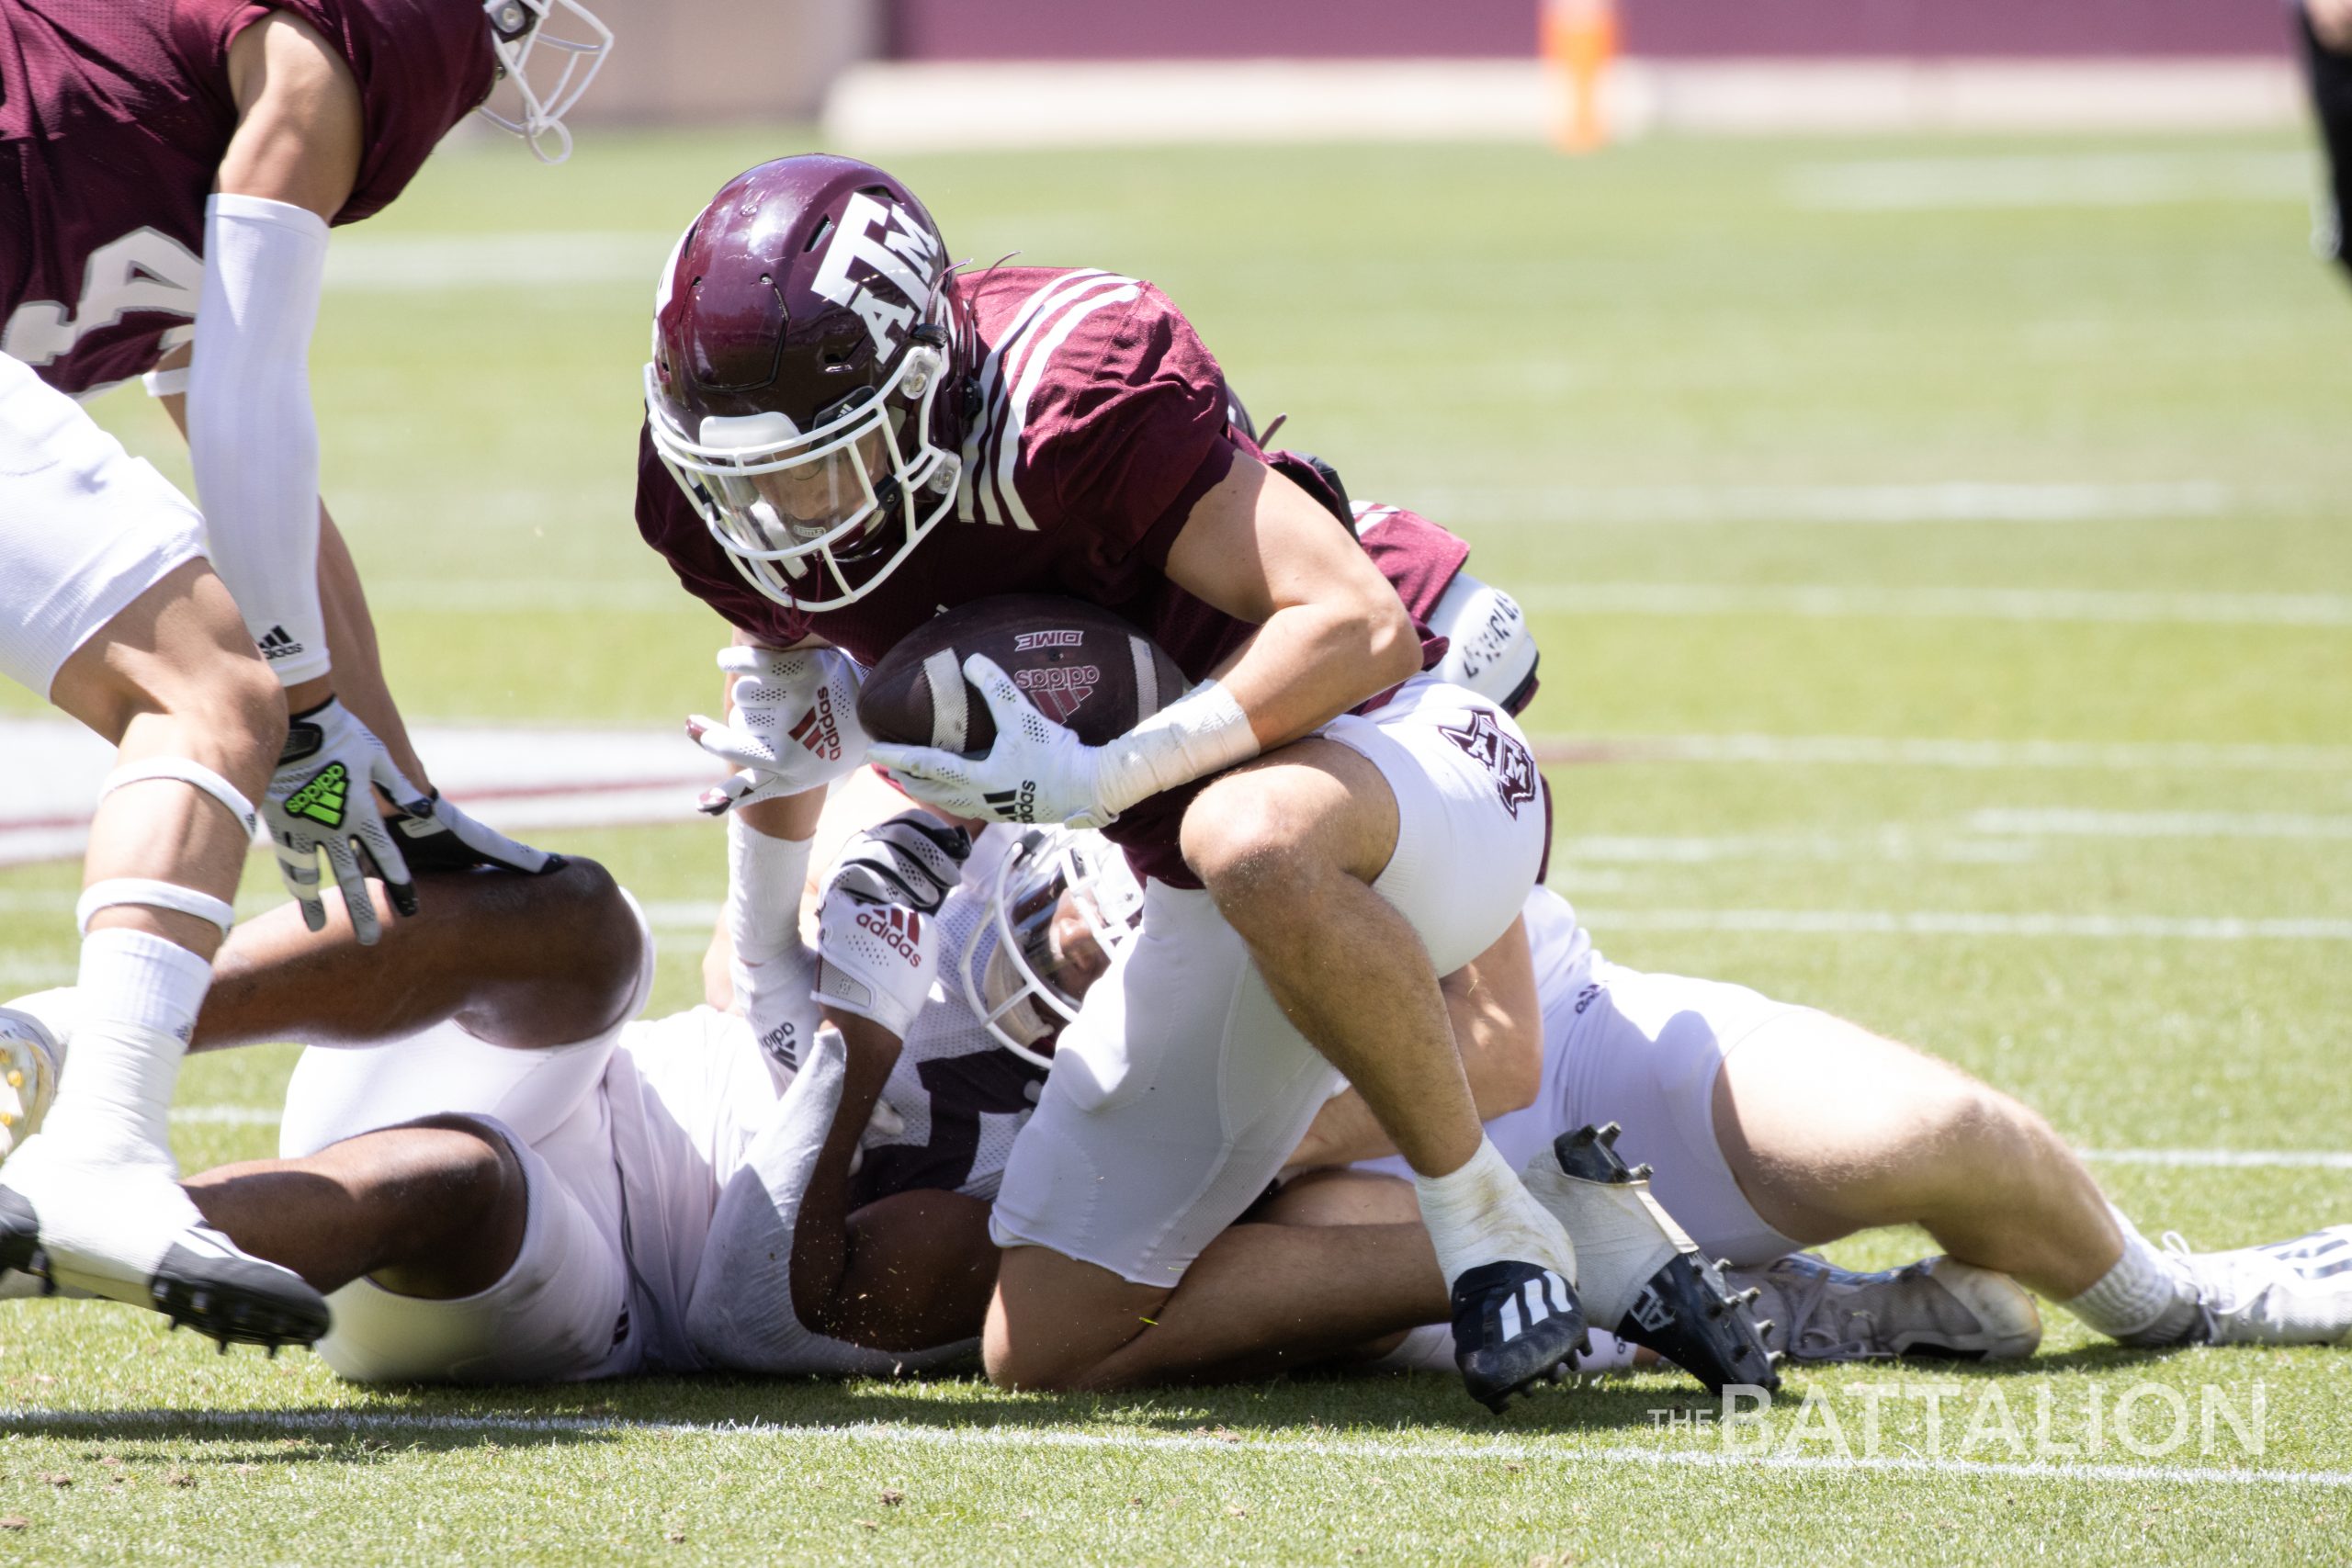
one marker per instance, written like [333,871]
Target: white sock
[138,996]
[1483,1213]
[2143,1300]
[1608,1353]
[1429,1348]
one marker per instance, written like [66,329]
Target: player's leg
[1289,846]
[524,961]
[1123,1114]
[434,1208]
[1830,1128]
[112,613]
[453,1250]
[2328,62]
[1323,857]
[537,963]
[1333,1269]
[1292,860]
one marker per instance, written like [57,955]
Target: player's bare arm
[1332,631]
[300,124]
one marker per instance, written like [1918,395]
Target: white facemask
[569,60]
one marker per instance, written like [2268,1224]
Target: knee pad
[196,776]
[147,891]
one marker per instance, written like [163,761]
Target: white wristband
[1200,733]
[172,383]
[766,878]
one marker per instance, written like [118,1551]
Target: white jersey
[961,1097]
[690,1094]
[637,1137]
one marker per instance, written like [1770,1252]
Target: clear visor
[548,51]
[814,519]
[788,511]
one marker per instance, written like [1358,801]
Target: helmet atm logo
[895,250]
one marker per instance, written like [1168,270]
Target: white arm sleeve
[251,435]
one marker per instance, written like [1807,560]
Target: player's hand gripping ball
[997,709]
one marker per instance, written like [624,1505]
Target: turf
[1634,382]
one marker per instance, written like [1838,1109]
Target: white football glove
[446,838]
[793,725]
[877,939]
[323,800]
[1037,770]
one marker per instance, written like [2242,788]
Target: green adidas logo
[323,799]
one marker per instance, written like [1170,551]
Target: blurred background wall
[926,72]
[709,61]
[1239,29]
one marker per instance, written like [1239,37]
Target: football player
[521,1185]
[2326,28]
[173,174]
[845,435]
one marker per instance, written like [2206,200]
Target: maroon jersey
[1102,422]
[114,116]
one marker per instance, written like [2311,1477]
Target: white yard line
[1950,501]
[2227,1159]
[992,1437]
[1879,750]
[2060,822]
[1966,923]
[519,779]
[2043,180]
[1834,602]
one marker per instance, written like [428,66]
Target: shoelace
[2212,1301]
[1811,1340]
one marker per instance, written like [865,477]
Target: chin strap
[145,890]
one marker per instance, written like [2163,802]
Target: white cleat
[2282,1292]
[32,1056]
[1938,1308]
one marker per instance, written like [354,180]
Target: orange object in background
[1579,40]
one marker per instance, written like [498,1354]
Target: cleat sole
[240,1319]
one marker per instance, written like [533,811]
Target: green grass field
[1947,614]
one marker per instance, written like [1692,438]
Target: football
[1081,665]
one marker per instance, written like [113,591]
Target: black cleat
[19,1234]
[1514,1325]
[223,1294]
[1684,1311]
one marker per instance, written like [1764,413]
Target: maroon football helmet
[805,389]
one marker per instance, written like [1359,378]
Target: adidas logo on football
[1058,689]
[279,643]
